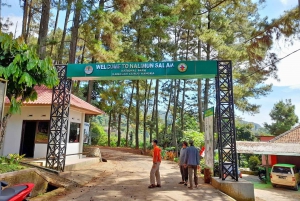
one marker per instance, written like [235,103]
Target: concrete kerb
[42,179]
[242,190]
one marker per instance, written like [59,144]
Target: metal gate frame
[59,121]
[226,122]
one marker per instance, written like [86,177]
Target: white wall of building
[13,134]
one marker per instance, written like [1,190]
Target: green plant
[3,159]
[176,160]
[10,168]
[202,164]
[253,163]
[163,154]
[197,137]
[15,158]
[170,148]
[98,135]
[244,164]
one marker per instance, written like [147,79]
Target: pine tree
[283,117]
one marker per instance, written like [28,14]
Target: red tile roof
[291,136]
[45,98]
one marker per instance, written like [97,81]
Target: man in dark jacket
[192,160]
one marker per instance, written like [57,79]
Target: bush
[197,137]
[244,164]
[98,135]
[253,163]
[170,148]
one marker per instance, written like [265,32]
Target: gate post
[59,121]
[226,121]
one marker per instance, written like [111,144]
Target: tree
[284,117]
[244,131]
[43,31]
[21,67]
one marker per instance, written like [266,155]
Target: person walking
[154,173]
[192,160]
[183,170]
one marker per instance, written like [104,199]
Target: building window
[42,132]
[74,132]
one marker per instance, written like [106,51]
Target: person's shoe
[182,182]
[185,184]
[190,187]
[158,186]
[152,186]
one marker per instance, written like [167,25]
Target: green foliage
[15,158]
[97,132]
[10,168]
[283,117]
[202,164]
[196,136]
[22,68]
[170,148]
[163,153]
[244,164]
[244,132]
[253,163]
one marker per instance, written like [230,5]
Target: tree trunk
[62,42]
[199,84]
[74,31]
[30,15]
[119,129]
[152,122]
[137,115]
[184,82]
[147,95]
[200,109]
[156,109]
[3,126]
[55,25]
[182,106]
[128,114]
[109,126]
[207,86]
[167,112]
[176,97]
[153,116]
[91,82]
[24,24]
[145,117]
[43,31]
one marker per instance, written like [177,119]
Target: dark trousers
[184,173]
[193,169]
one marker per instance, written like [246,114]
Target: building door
[28,138]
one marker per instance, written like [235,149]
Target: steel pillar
[226,121]
[59,121]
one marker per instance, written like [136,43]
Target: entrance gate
[220,70]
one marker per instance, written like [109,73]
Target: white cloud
[284,1]
[17,24]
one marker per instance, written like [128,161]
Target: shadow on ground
[126,176]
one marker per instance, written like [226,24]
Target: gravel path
[126,176]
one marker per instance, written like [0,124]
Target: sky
[289,69]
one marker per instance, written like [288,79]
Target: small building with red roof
[27,133]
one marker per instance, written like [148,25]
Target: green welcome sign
[143,70]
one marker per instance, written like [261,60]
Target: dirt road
[126,177]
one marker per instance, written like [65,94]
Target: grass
[10,168]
